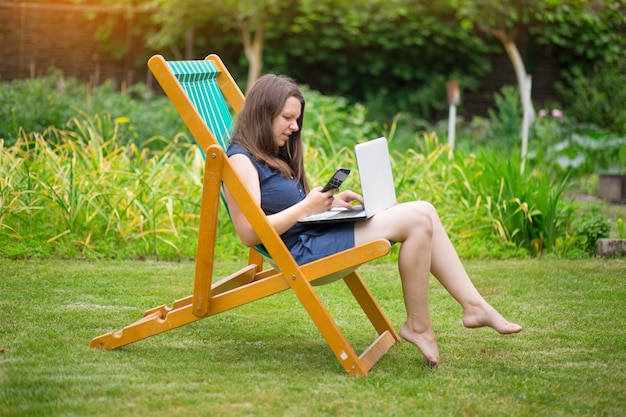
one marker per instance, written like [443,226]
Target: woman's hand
[317,201]
[345,198]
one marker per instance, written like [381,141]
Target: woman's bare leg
[415,231]
[427,249]
[448,269]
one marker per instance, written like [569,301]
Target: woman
[266,151]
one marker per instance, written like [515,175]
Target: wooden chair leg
[160,319]
[151,324]
[369,305]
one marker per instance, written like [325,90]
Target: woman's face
[286,122]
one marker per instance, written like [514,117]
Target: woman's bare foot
[425,341]
[486,315]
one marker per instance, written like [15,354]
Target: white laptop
[377,185]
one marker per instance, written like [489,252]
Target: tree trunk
[255,58]
[518,65]
[189,36]
[253,48]
[524,83]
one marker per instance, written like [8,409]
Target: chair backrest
[199,80]
[210,91]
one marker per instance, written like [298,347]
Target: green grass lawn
[267,358]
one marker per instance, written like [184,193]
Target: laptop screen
[375,174]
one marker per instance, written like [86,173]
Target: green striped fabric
[198,79]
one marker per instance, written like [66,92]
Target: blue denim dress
[306,242]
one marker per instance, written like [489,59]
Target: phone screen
[337,179]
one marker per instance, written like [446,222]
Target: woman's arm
[315,202]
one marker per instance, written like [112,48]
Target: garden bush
[80,193]
[597,97]
[33,105]
[589,226]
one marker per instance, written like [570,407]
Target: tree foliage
[396,51]
[394,54]
[247,18]
[581,30]
[584,31]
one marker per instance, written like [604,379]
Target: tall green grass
[485,200]
[78,192]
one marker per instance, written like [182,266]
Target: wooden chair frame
[252,282]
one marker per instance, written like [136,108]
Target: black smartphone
[338,177]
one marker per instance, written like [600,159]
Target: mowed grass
[267,358]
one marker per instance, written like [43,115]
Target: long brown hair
[253,128]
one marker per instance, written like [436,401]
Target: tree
[251,17]
[594,28]
[506,20]
[180,18]
[585,30]
[587,33]
[177,21]
[394,55]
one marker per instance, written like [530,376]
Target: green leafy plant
[590,225]
[506,118]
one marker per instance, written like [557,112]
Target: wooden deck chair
[203,91]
